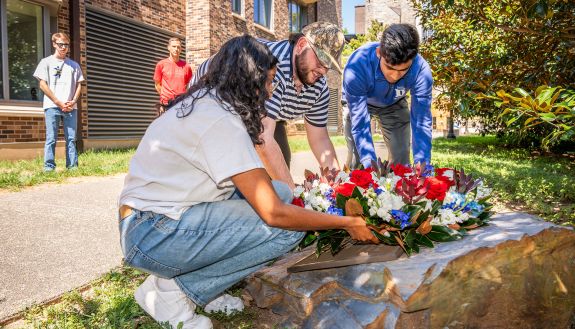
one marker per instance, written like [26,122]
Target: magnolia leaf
[340,201]
[353,208]
[423,240]
[454,226]
[470,227]
[400,242]
[425,227]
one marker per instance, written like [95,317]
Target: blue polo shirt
[364,83]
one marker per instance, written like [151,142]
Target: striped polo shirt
[285,103]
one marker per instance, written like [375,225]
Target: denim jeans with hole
[53,116]
[213,246]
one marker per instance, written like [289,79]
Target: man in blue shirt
[376,80]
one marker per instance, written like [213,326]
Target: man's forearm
[48,92]
[272,157]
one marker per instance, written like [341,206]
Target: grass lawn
[541,185]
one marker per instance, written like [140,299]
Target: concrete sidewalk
[57,237]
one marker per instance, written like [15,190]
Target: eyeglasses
[62,45]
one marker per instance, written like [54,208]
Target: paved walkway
[57,237]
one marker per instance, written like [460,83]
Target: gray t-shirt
[62,77]
[181,162]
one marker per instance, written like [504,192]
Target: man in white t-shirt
[60,79]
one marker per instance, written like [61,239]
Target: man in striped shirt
[300,88]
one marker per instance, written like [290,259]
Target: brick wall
[380,10]
[360,19]
[14,129]
[210,23]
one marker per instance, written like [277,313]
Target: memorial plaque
[352,254]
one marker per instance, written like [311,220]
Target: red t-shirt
[173,77]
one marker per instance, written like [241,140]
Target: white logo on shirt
[399,92]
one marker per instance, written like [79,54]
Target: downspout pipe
[75,54]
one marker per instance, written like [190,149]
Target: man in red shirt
[172,75]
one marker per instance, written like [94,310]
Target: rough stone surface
[515,273]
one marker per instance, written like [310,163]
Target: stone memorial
[518,272]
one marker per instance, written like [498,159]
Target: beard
[303,70]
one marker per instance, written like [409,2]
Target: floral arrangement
[409,206]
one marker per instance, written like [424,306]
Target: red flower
[400,170]
[298,202]
[440,174]
[436,188]
[344,189]
[361,178]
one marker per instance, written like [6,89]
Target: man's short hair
[174,39]
[399,43]
[60,35]
[294,38]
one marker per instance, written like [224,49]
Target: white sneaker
[169,304]
[225,303]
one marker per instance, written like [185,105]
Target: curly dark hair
[238,74]
[399,43]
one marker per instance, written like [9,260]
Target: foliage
[522,180]
[110,304]
[478,47]
[549,114]
[18,174]
[373,34]
[407,206]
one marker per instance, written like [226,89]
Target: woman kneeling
[198,211]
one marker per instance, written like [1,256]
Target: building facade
[117,43]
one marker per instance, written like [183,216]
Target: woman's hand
[359,231]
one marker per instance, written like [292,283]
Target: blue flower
[332,210]
[474,208]
[453,201]
[379,190]
[401,218]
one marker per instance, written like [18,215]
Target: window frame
[5,101]
[242,11]
[271,18]
[300,10]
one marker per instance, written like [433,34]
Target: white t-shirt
[181,162]
[62,76]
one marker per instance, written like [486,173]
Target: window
[297,16]
[22,45]
[263,12]
[237,7]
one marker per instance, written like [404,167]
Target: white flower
[323,188]
[298,191]
[342,176]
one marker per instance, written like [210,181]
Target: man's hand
[321,146]
[68,106]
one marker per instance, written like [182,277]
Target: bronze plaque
[352,254]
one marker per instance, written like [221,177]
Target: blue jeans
[53,116]
[213,246]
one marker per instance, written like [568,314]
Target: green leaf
[340,200]
[309,238]
[356,193]
[423,240]
[443,234]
